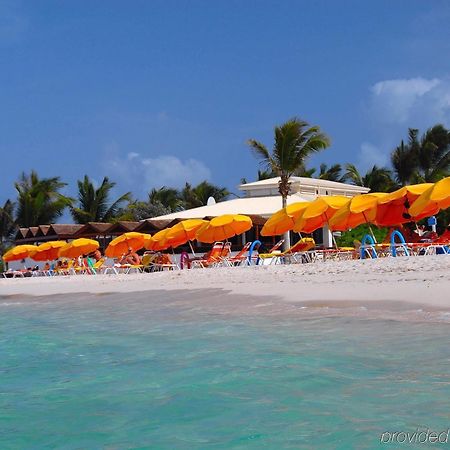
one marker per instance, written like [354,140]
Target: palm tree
[332,173]
[138,210]
[434,154]
[295,140]
[427,160]
[265,175]
[204,190]
[196,196]
[168,198]
[7,225]
[39,200]
[94,204]
[378,179]
[404,159]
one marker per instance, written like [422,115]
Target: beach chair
[299,252]
[163,261]
[241,258]
[67,270]
[209,259]
[99,267]
[276,246]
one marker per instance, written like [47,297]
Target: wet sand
[392,286]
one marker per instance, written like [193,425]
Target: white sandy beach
[419,280]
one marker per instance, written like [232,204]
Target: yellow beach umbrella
[48,251]
[435,197]
[319,212]
[121,245]
[184,231]
[158,241]
[284,219]
[393,208]
[19,252]
[78,247]
[223,227]
[358,210]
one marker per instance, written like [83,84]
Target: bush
[347,237]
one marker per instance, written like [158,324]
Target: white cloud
[371,155]
[398,104]
[140,173]
[416,102]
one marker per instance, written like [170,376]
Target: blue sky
[154,93]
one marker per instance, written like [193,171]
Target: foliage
[196,196]
[7,225]
[39,200]
[333,173]
[424,160]
[137,210]
[94,204]
[347,238]
[169,198]
[294,142]
[378,179]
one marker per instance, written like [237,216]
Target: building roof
[262,198]
[154,225]
[123,226]
[305,182]
[93,229]
[257,206]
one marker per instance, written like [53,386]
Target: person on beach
[130,258]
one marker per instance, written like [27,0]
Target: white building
[262,198]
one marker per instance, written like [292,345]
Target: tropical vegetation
[94,204]
[294,142]
[40,200]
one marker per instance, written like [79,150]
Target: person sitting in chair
[130,258]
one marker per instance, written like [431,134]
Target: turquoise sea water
[144,370]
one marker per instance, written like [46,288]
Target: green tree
[332,173]
[265,175]
[7,225]
[168,198]
[424,160]
[434,154]
[294,142]
[39,201]
[138,210]
[378,179]
[196,196]
[94,204]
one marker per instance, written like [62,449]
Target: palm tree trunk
[287,235]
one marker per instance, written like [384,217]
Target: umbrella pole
[330,231]
[192,249]
[370,228]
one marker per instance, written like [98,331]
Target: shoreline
[421,281]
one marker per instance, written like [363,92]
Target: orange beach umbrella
[435,197]
[360,209]
[284,219]
[158,241]
[319,212]
[223,227]
[393,208]
[48,251]
[121,245]
[78,247]
[19,252]
[184,231]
